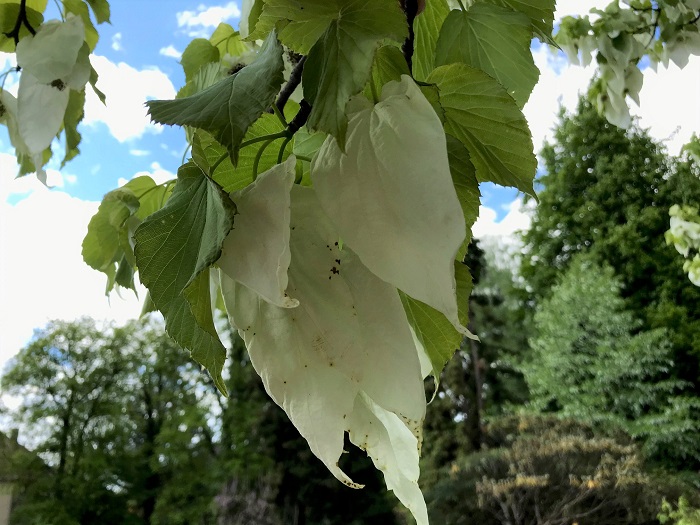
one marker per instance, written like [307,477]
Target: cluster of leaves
[54,57]
[620,37]
[328,243]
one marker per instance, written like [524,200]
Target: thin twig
[291,85]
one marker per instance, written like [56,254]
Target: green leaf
[173,247]
[228,41]
[395,237]
[389,64]
[9,10]
[103,246]
[486,119]
[74,114]
[93,83]
[190,323]
[540,12]
[495,40]
[300,22]
[228,108]
[434,332]
[466,185]
[198,53]
[80,8]
[427,29]
[339,64]
[101,10]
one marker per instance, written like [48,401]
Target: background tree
[589,362]
[608,191]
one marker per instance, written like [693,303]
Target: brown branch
[22,20]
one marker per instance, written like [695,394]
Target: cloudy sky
[42,275]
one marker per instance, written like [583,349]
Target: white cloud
[117,42]
[139,152]
[516,220]
[126,89]
[171,52]
[157,173]
[42,274]
[577,7]
[200,22]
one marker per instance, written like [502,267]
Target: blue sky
[42,275]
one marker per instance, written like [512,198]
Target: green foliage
[608,192]
[559,471]
[590,362]
[683,514]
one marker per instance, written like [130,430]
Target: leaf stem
[273,136]
[212,169]
[280,115]
[291,85]
[280,155]
[461,5]
[258,156]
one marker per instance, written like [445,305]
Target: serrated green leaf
[228,41]
[73,116]
[540,12]
[93,83]
[300,22]
[191,325]
[427,29]
[101,10]
[197,54]
[228,108]
[495,40]
[339,64]
[389,64]
[485,118]
[174,246]
[467,187]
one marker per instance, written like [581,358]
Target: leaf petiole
[259,155]
[280,155]
[212,169]
[262,138]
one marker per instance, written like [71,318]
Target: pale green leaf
[174,246]
[466,185]
[495,40]
[389,64]
[80,8]
[427,29]
[485,118]
[339,64]
[389,197]
[228,41]
[228,108]
[394,450]
[53,52]
[348,335]
[256,251]
[197,54]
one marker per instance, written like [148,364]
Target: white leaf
[393,449]
[80,74]
[9,103]
[52,53]
[391,195]
[348,335]
[256,251]
[40,111]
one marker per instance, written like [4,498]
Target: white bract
[391,192]
[343,357]
[53,61]
[256,251]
